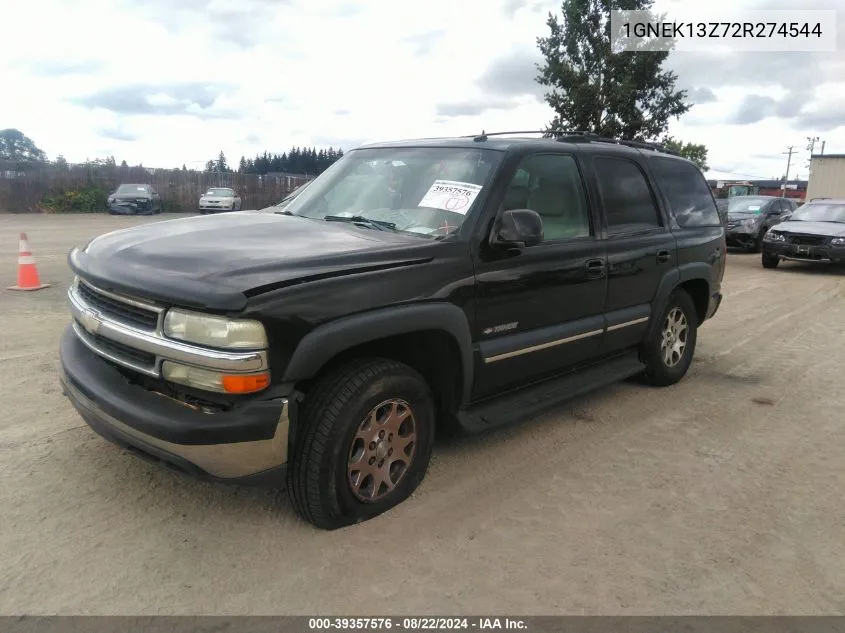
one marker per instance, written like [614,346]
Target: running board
[530,401]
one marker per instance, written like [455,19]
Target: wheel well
[699,292]
[433,353]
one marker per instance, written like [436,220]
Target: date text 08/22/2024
[415,624]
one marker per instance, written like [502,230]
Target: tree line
[299,160]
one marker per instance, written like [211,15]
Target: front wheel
[770,261]
[366,430]
[670,346]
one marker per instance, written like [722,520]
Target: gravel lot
[721,495]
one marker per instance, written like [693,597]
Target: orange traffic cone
[27,272]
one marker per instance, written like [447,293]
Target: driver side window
[551,185]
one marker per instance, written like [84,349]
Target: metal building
[827,176]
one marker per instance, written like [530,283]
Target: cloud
[700,96]
[61,67]
[511,7]
[195,99]
[474,107]
[423,43]
[348,10]
[824,120]
[754,108]
[118,134]
[513,74]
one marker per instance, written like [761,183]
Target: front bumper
[824,253]
[740,238]
[248,444]
[212,208]
[130,209]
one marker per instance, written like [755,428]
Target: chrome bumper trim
[89,319]
[225,461]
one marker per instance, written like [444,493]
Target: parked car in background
[219,199]
[749,217]
[814,233]
[134,200]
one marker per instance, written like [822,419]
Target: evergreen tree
[621,95]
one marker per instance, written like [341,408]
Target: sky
[171,82]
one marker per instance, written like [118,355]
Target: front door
[641,249]
[539,310]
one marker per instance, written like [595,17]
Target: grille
[122,351]
[807,240]
[125,312]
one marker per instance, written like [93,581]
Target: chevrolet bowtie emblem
[91,322]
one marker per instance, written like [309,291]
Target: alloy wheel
[382,450]
[673,341]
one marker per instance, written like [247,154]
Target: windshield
[132,189]
[426,191]
[747,204]
[820,212]
[220,193]
[289,198]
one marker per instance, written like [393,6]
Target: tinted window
[689,196]
[628,203]
[551,185]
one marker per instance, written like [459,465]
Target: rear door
[640,248]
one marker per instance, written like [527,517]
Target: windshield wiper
[360,219]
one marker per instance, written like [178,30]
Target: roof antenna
[481,138]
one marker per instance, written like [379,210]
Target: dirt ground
[721,495]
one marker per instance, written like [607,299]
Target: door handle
[596,267]
[663,256]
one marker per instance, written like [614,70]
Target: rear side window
[628,203]
[689,196]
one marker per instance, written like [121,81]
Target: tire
[757,246]
[770,261]
[661,371]
[321,480]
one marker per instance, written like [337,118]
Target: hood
[829,229]
[741,215]
[130,196]
[218,198]
[217,262]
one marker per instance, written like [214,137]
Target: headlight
[213,381]
[214,331]
[838,241]
[749,224]
[772,236]
[202,200]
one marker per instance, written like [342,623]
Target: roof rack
[479,138]
[579,136]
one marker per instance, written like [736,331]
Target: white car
[219,199]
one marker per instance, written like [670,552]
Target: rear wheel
[770,261]
[364,441]
[670,346]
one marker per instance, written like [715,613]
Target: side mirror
[518,228]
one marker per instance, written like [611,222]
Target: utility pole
[823,142]
[811,146]
[788,163]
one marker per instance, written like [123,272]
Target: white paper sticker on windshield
[450,195]
[754,207]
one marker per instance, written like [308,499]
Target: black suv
[459,283]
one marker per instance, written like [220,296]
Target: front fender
[326,341]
